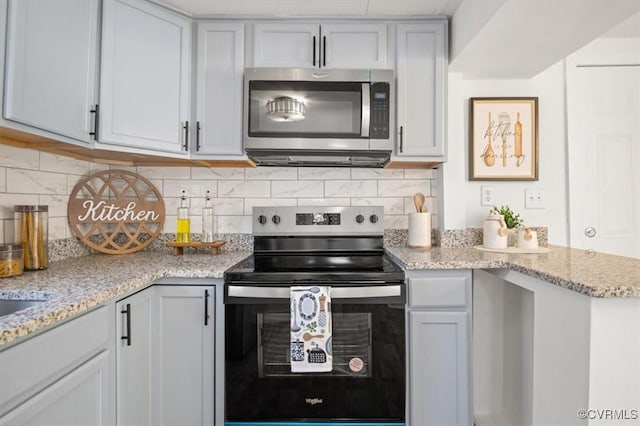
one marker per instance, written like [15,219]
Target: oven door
[368,323]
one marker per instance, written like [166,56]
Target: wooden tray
[178,248]
[515,250]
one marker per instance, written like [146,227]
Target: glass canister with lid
[32,231]
[11,263]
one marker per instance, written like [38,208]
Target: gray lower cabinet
[63,376]
[439,348]
[165,356]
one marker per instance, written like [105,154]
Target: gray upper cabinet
[309,45]
[220,66]
[421,70]
[145,78]
[51,66]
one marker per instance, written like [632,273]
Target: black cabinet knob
[262,219]
[373,218]
[275,219]
[359,218]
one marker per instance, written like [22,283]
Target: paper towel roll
[419,230]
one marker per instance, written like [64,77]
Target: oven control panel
[319,220]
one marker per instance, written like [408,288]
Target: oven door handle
[358,294]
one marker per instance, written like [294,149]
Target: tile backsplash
[32,177]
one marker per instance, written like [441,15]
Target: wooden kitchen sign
[116,211]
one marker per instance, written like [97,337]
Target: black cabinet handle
[206,307]
[96,116]
[197,136]
[400,139]
[324,51]
[314,51]
[185,145]
[127,312]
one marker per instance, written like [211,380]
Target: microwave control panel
[379,126]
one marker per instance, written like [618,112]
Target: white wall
[462,208]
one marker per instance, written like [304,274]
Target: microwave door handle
[366,110]
[358,292]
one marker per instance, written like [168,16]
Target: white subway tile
[99,167]
[60,164]
[377,173]
[351,188]
[392,205]
[165,172]
[234,224]
[227,206]
[3,179]
[21,158]
[419,174]
[435,188]
[2,238]
[323,173]
[406,188]
[170,222]
[396,221]
[253,188]
[331,202]
[410,207]
[230,173]
[57,204]
[8,231]
[7,201]
[271,173]
[297,189]
[58,228]
[158,183]
[194,188]
[250,203]
[435,222]
[23,181]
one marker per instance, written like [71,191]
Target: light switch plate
[534,198]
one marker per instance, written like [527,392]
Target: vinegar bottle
[183,224]
[208,222]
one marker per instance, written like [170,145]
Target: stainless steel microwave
[299,117]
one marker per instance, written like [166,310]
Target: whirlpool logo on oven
[313,401]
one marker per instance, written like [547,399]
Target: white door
[145,90]
[219,88]
[134,321]
[183,379]
[354,46]
[604,158]
[286,45]
[51,65]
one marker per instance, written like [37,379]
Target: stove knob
[275,219]
[359,218]
[262,219]
[373,218]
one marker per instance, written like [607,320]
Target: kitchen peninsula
[576,313]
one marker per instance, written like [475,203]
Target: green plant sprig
[511,219]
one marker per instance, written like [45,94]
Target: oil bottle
[183,224]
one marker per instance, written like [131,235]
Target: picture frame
[503,138]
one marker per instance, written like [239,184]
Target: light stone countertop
[590,273]
[78,284]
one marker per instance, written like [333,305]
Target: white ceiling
[209,8]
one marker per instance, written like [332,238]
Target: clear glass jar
[11,262]
[32,231]
[208,225]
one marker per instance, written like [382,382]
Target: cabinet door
[421,72]
[184,356]
[354,45]
[286,45]
[145,83]
[133,358]
[79,398]
[219,88]
[51,65]
[439,369]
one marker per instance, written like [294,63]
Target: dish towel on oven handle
[311,329]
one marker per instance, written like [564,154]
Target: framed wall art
[503,139]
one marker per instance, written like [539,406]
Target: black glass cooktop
[348,268]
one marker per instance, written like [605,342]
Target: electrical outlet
[534,198]
[486,195]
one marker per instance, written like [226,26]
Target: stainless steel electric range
[340,247]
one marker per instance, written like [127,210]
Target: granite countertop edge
[76,285]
